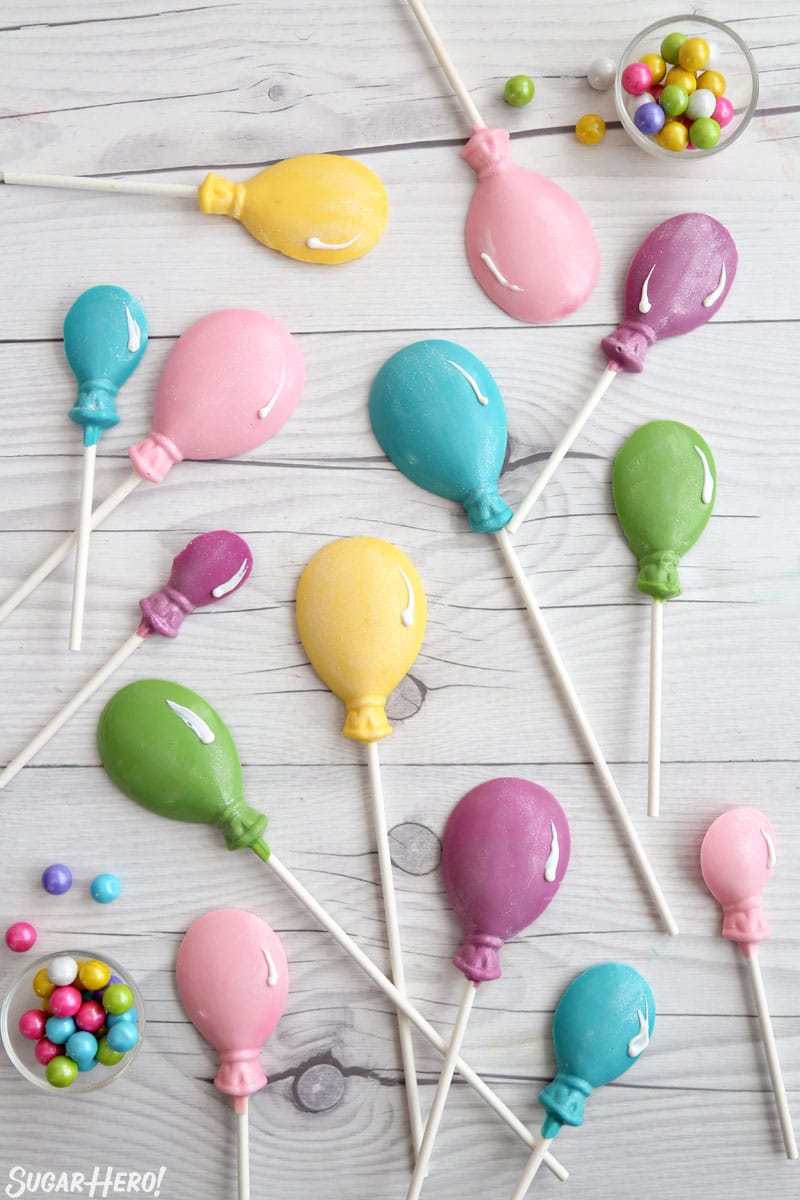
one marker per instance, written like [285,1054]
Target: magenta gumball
[65,1001]
[90,1016]
[723,111]
[636,78]
[44,1050]
[31,1024]
[736,858]
[505,850]
[21,937]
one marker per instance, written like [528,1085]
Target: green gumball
[519,90]
[107,1056]
[704,133]
[670,47]
[61,1071]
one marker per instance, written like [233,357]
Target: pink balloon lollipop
[529,243]
[233,981]
[737,857]
[229,384]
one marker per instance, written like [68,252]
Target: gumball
[684,79]
[62,970]
[117,998]
[56,879]
[90,1016]
[636,78]
[601,74]
[649,119]
[107,1056]
[634,103]
[704,134]
[65,1001]
[94,975]
[31,1024]
[671,45]
[44,1051]
[723,113]
[674,136]
[130,1015]
[656,91]
[61,1071]
[693,54]
[87,1064]
[655,65]
[105,888]
[674,100]
[42,985]
[20,937]
[82,1046]
[99,992]
[518,91]
[713,81]
[591,129]
[59,1029]
[701,104]
[123,1036]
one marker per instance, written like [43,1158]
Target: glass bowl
[734,60]
[20,1050]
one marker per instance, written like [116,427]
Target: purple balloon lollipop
[211,566]
[678,279]
[504,853]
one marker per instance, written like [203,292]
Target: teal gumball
[439,416]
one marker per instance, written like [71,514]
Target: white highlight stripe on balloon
[707,494]
[712,297]
[314,243]
[644,299]
[498,274]
[272,970]
[641,1040]
[267,409]
[134,332]
[551,866]
[472,382]
[771,855]
[194,722]
[407,615]
[222,589]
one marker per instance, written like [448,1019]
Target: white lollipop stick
[395,947]
[442,1090]
[654,740]
[70,708]
[771,1051]
[62,551]
[563,447]
[82,183]
[531,1167]
[447,64]
[82,551]
[579,716]
[402,1002]
[243,1153]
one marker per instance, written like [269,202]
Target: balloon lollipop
[233,981]
[361,613]
[209,568]
[191,772]
[601,1025]
[678,279]
[229,383]
[736,858]
[504,853]
[320,208]
[665,485]
[105,336]
[529,243]
[439,416]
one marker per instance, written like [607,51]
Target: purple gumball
[678,279]
[649,119]
[504,853]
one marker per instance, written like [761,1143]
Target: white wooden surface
[123,87]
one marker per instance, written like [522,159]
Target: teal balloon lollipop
[439,416]
[105,336]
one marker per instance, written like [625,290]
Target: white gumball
[62,970]
[701,104]
[713,54]
[636,102]
[601,74]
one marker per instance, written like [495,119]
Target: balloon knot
[744,921]
[486,510]
[165,610]
[487,151]
[478,957]
[218,195]
[154,457]
[627,346]
[565,1098]
[95,409]
[366,719]
[240,1073]
[241,825]
[658,575]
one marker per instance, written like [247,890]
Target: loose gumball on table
[20,937]
[505,851]
[192,772]
[209,568]
[737,858]
[519,91]
[105,888]
[56,879]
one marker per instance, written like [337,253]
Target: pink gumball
[31,1024]
[229,384]
[65,1001]
[736,858]
[45,1050]
[20,937]
[723,112]
[233,981]
[636,78]
[90,1016]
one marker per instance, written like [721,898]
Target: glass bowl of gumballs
[686,84]
[72,1021]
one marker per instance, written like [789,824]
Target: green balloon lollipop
[167,748]
[665,485]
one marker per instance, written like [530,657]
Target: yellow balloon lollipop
[316,207]
[361,613]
